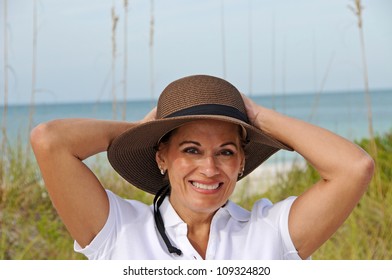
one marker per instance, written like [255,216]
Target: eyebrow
[198,144]
[229,143]
[189,142]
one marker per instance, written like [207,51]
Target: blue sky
[280,46]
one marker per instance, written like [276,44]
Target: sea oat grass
[29,225]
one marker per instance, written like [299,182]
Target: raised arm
[60,146]
[345,169]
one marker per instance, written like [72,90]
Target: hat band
[211,109]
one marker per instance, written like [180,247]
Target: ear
[242,165]
[160,158]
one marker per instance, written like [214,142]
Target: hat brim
[132,154]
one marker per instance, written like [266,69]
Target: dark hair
[164,139]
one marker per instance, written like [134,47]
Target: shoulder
[262,209]
[126,218]
[265,208]
[265,228]
[276,215]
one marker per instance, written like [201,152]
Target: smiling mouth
[206,187]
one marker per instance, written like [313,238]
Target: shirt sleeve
[290,252]
[122,213]
[92,249]
[277,216]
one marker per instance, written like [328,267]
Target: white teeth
[205,187]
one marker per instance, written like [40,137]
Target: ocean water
[344,113]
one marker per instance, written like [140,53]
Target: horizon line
[259,94]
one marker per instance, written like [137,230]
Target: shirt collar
[171,217]
[236,212]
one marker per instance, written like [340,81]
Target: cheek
[233,163]
[181,166]
[232,170]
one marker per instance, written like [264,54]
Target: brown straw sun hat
[199,97]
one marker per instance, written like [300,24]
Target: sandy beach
[265,176]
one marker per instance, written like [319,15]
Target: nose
[209,167]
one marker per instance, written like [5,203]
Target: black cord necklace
[158,199]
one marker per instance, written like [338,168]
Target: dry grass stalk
[357,10]
[319,91]
[5,106]
[250,43]
[273,62]
[34,70]
[151,44]
[114,53]
[223,39]
[125,66]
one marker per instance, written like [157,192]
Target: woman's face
[203,160]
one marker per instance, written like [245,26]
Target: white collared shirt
[235,233]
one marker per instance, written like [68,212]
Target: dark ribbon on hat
[158,199]
[211,109]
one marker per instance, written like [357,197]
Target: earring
[241,173]
[163,171]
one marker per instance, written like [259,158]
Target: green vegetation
[31,229]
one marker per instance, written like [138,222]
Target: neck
[198,236]
[199,231]
[198,224]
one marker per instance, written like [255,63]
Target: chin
[206,205]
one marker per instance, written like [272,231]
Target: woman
[190,151]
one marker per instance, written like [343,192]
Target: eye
[226,152]
[191,150]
